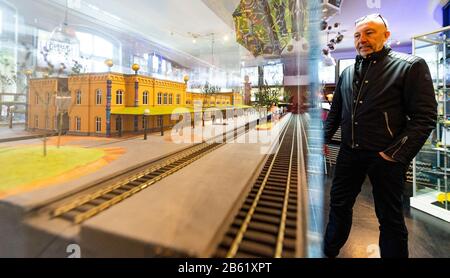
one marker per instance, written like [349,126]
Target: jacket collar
[377,56]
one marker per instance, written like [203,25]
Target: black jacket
[393,110]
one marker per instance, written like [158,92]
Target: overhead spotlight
[333,41]
[330,27]
[290,47]
[336,25]
[339,37]
[323,25]
[325,51]
[331,46]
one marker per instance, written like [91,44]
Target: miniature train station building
[105,104]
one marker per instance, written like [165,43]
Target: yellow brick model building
[106,104]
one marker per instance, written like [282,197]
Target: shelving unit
[431,168]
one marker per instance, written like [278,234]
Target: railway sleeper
[257,249]
[264,238]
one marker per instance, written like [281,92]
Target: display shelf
[431,165]
[437,172]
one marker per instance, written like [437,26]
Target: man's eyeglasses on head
[371,16]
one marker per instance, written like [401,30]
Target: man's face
[370,36]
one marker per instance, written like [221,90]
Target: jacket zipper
[356,104]
[404,139]
[387,124]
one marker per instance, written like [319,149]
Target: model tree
[208,91]
[50,70]
[266,96]
[8,78]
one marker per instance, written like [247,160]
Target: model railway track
[90,204]
[266,225]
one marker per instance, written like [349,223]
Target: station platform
[182,215]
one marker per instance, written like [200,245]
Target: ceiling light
[339,37]
[225,38]
[331,46]
[194,41]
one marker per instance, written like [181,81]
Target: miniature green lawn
[20,166]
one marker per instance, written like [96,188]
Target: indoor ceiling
[171,26]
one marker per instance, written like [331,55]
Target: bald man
[386,107]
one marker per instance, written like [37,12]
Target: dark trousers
[387,180]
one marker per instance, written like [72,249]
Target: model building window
[145,98]
[171,99]
[178,99]
[77,123]
[55,122]
[165,98]
[78,98]
[37,99]
[36,121]
[47,122]
[119,97]
[98,97]
[159,98]
[98,124]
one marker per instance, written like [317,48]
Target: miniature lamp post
[161,124]
[28,74]
[186,79]
[11,115]
[146,114]
[135,68]
[109,63]
[62,104]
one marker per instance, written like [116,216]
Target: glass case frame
[431,169]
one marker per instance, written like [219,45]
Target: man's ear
[387,34]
